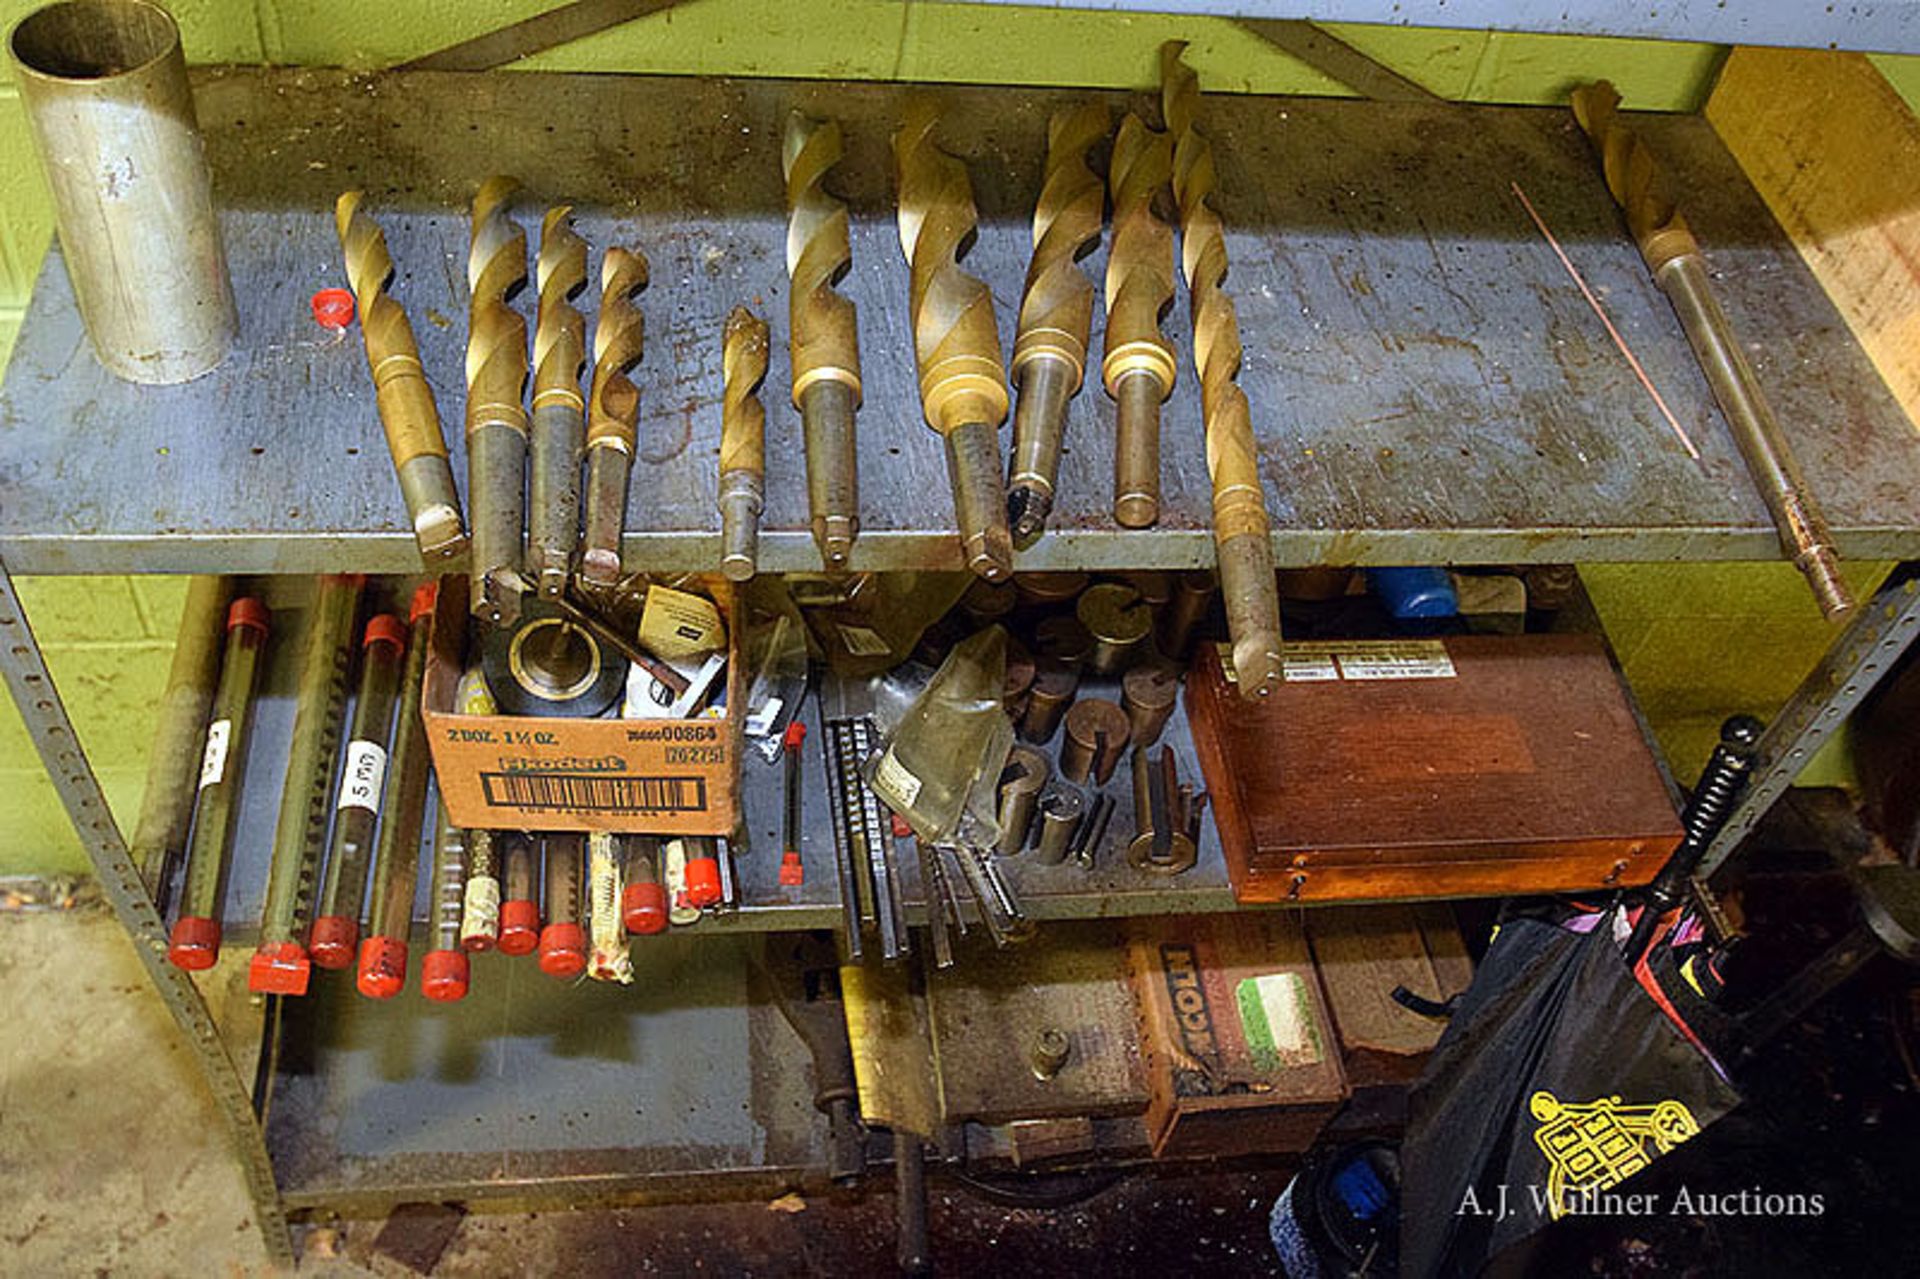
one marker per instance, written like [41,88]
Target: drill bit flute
[1242,536]
[496,418]
[963,388]
[613,408]
[1673,256]
[1056,315]
[1140,366]
[824,345]
[743,433]
[559,410]
[407,411]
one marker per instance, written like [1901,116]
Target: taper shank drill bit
[1056,315]
[559,409]
[743,434]
[1673,255]
[613,408]
[1242,536]
[407,411]
[496,391]
[963,389]
[824,345]
[1140,366]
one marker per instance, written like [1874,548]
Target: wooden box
[1475,765]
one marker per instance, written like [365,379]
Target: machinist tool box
[1475,765]
[516,772]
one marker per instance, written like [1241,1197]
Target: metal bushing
[1148,694]
[1192,591]
[985,603]
[1048,697]
[1026,773]
[1013,694]
[1064,638]
[1045,590]
[1097,733]
[1060,811]
[1118,622]
[546,665]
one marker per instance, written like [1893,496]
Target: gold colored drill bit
[1242,535]
[407,411]
[613,409]
[1056,314]
[824,344]
[1673,256]
[559,409]
[743,435]
[496,391]
[1140,365]
[963,388]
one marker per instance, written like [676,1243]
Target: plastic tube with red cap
[563,942]
[480,915]
[280,965]
[792,869]
[643,901]
[396,853]
[704,885]
[195,942]
[356,808]
[444,969]
[520,902]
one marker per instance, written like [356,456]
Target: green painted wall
[108,638]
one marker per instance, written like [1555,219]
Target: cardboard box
[507,772]
[1240,1051]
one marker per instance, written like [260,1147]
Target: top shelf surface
[1427,383]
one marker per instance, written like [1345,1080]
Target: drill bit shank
[824,345]
[1242,536]
[407,411]
[743,434]
[559,409]
[1139,366]
[613,408]
[496,387]
[1673,255]
[963,389]
[1056,315]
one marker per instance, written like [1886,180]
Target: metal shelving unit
[1427,384]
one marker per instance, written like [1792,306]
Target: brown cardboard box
[1241,1054]
[664,777]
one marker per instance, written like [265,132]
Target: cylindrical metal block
[104,84]
[1192,592]
[1063,638]
[1026,773]
[1148,694]
[1097,733]
[1060,809]
[1048,696]
[1042,590]
[1118,622]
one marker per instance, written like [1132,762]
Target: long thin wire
[1633,361]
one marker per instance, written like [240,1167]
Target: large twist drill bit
[1056,315]
[1242,536]
[743,435]
[496,391]
[1673,256]
[559,409]
[963,389]
[613,408]
[407,411]
[824,345]
[1140,365]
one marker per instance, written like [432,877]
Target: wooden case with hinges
[1475,765]
[644,776]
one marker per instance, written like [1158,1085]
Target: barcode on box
[573,793]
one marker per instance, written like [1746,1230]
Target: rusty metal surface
[1426,382]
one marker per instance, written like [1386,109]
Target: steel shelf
[1427,383]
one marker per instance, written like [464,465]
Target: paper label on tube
[364,776]
[213,764]
[895,782]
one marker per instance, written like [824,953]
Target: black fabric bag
[1561,1074]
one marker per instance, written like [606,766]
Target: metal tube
[396,854]
[104,84]
[166,804]
[979,502]
[195,941]
[1804,535]
[833,467]
[280,965]
[1039,420]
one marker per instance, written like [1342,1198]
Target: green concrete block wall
[107,639]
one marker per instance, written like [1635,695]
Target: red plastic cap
[793,872]
[195,943]
[332,308]
[519,927]
[643,908]
[443,975]
[248,611]
[796,733]
[279,968]
[424,599]
[703,881]
[899,826]
[383,967]
[385,628]
[334,939]
[563,950]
